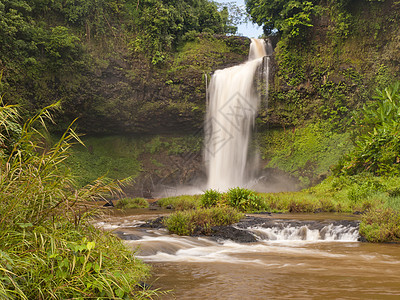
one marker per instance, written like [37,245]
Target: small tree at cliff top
[288,17]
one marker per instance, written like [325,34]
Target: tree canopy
[290,17]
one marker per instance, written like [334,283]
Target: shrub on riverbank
[241,199]
[381,225]
[201,220]
[48,249]
[127,203]
[245,200]
[210,198]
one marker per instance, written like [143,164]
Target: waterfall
[231,110]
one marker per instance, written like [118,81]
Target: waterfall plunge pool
[300,257]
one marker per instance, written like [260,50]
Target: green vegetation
[377,146]
[306,152]
[322,72]
[48,247]
[335,194]
[121,157]
[367,178]
[180,203]
[92,55]
[293,18]
[358,193]
[289,17]
[114,157]
[162,24]
[244,200]
[381,226]
[201,220]
[126,203]
[320,102]
[210,198]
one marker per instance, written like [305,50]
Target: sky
[247,29]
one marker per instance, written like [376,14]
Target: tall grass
[48,249]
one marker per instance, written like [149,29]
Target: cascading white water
[329,232]
[159,246]
[232,108]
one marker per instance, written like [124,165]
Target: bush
[301,205]
[237,197]
[246,200]
[201,220]
[210,198]
[132,203]
[381,225]
[256,203]
[378,144]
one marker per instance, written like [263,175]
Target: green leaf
[90,245]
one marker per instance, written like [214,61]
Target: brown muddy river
[288,261]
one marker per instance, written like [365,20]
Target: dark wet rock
[233,234]
[127,236]
[154,206]
[362,239]
[156,223]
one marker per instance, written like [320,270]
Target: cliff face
[114,90]
[129,95]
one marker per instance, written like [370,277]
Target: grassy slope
[120,157]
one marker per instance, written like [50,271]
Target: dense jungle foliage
[52,33]
[330,57]
[97,57]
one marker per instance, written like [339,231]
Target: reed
[48,247]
